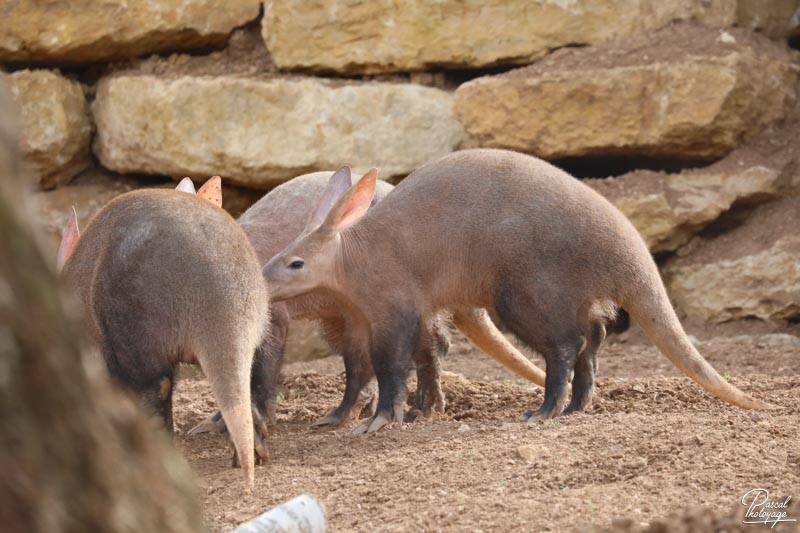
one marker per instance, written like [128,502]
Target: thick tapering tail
[652,310]
[476,326]
[239,419]
[230,383]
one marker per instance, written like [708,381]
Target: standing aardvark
[166,277]
[489,229]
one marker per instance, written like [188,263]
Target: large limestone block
[400,35]
[260,132]
[56,129]
[668,209]
[684,92]
[89,30]
[751,271]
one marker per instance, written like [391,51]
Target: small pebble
[638,463]
[463,428]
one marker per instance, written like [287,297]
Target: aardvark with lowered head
[498,230]
[274,222]
[166,277]
[271,224]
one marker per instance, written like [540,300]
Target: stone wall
[117,95]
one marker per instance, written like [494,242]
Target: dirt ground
[653,444]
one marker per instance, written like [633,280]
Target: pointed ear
[212,191]
[340,181]
[68,240]
[352,205]
[186,185]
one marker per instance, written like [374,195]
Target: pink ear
[353,204]
[68,240]
[186,185]
[338,184]
[212,191]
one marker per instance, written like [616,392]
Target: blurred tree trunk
[75,455]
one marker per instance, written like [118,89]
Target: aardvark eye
[297,264]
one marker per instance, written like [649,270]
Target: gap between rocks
[613,166]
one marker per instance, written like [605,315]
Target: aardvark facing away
[166,277]
[498,230]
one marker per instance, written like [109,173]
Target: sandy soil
[653,444]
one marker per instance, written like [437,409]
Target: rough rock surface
[392,35]
[750,271]
[260,132]
[668,209]
[55,125]
[88,30]
[682,92]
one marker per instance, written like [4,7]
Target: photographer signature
[762,510]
